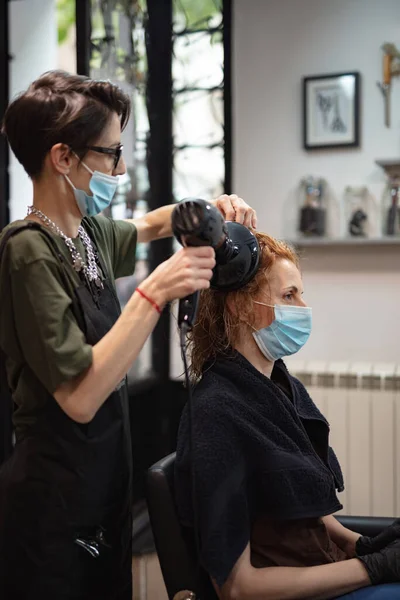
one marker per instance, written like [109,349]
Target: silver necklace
[90,270]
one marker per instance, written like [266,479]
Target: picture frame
[331,111]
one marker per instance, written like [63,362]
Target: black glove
[383,566]
[368,545]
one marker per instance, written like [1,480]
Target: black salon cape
[256,451]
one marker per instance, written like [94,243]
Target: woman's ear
[61,158]
[233,307]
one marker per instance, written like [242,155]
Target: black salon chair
[176,552]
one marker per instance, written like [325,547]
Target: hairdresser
[65,493]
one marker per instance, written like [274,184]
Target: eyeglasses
[116,152]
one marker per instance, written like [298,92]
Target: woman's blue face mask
[103,188]
[287,334]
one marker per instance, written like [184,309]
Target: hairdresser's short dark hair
[61,108]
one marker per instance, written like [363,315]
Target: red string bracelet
[154,304]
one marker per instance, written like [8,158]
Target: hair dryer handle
[188,311]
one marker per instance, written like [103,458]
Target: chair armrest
[365,525]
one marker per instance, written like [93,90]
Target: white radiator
[362,404]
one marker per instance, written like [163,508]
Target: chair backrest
[176,552]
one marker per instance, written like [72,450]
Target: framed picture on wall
[331,111]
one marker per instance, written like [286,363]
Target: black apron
[65,493]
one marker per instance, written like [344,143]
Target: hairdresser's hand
[234,208]
[188,270]
[383,566]
[368,545]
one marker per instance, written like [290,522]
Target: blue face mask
[103,188]
[287,334]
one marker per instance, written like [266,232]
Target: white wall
[33,46]
[354,292]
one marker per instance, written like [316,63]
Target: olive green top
[39,334]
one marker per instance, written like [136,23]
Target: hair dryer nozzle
[196,222]
[237,260]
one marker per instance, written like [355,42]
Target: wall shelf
[362,242]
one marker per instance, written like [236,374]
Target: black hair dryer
[196,222]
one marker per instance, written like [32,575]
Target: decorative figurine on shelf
[357,223]
[312,210]
[357,204]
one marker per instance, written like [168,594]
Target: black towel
[256,450]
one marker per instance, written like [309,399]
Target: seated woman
[265,476]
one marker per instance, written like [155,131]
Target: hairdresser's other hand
[234,208]
[368,545]
[188,270]
[383,566]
